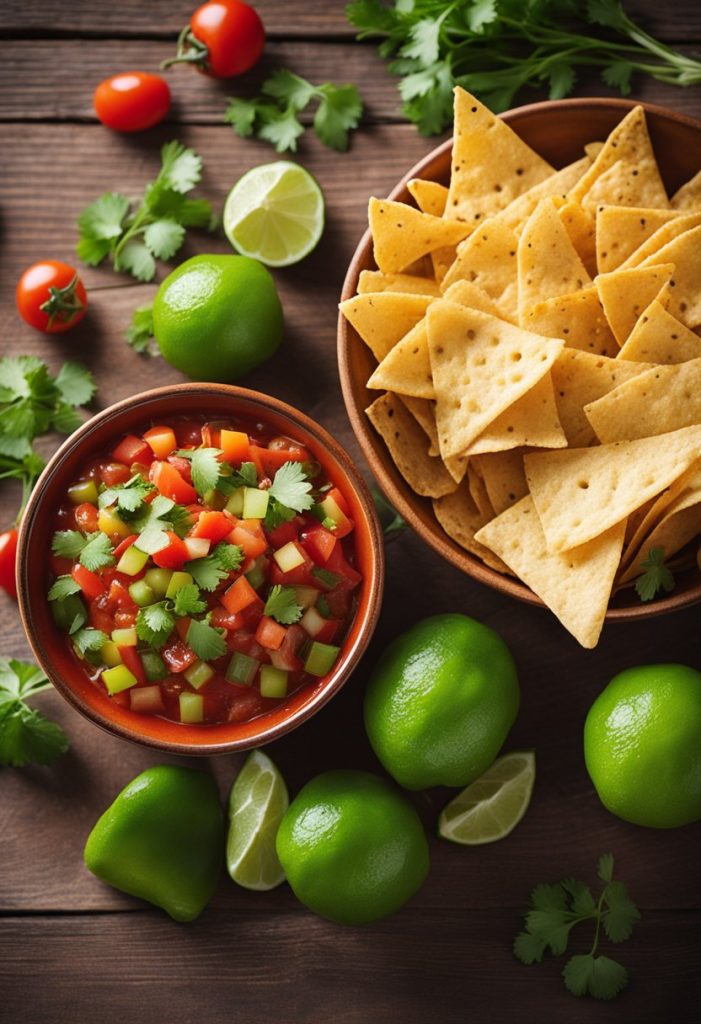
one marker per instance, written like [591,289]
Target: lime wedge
[275,213]
[493,805]
[257,803]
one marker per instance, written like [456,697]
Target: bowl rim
[360,630]
[371,444]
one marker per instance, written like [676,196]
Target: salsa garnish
[203,572]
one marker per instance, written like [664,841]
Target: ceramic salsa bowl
[92,439]
[557,131]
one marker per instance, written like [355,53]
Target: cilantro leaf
[291,487]
[205,640]
[599,976]
[164,237]
[205,466]
[657,576]
[162,514]
[282,605]
[129,496]
[68,544]
[229,556]
[135,258]
[155,623]
[181,168]
[62,588]
[529,948]
[97,552]
[20,679]
[139,333]
[604,868]
[65,419]
[245,476]
[75,384]
[27,736]
[187,601]
[338,113]
[288,88]
[103,219]
[208,572]
[241,115]
[281,128]
[88,639]
[622,913]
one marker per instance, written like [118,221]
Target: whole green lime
[352,847]
[642,745]
[441,701]
[217,317]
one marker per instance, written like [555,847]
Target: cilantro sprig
[274,116]
[556,909]
[495,48]
[129,496]
[657,576]
[207,641]
[26,736]
[290,493]
[135,237]
[282,605]
[139,334]
[205,467]
[156,622]
[93,550]
[210,571]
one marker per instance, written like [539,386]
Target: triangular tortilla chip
[504,477]
[688,197]
[581,228]
[654,511]
[658,239]
[402,234]
[382,318]
[456,466]
[429,196]
[424,413]
[624,185]
[376,281]
[680,524]
[685,286]
[488,259]
[478,492]
[661,399]
[516,214]
[466,293]
[460,518]
[576,586]
[532,420]
[658,337]
[406,443]
[579,493]
[629,141]
[592,149]
[620,230]
[481,366]
[490,164]
[625,294]
[548,264]
[577,318]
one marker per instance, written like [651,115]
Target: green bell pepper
[162,840]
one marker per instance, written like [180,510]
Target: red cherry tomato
[8,561]
[224,38]
[51,297]
[132,101]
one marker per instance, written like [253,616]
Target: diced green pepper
[109,654]
[191,708]
[132,561]
[198,674]
[255,503]
[321,658]
[256,574]
[158,580]
[242,669]
[322,606]
[235,502]
[141,593]
[125,637]
[177,581]
[325,576]
[154,667]
[118,678]
[84,490]
[273,681]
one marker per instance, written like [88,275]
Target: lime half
[493,805]
[257,803]
[275,213]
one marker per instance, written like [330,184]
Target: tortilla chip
[657,509]
[620,230]
[661,399]
[376,281]
[406,443]
[658,337]
[488,259]
[688,197]
[456,466]
[460,518]
[658,239]
[516,214]
[579,493]
[532,420]
[504,477]
[592,149]
[576,586]
[402,234]
[581,228]
[548,264]
[625,294]
[577,318]
[628,142]
[622,185]
[429,196]
[679,525]
[382,318]
[481,366]
[490,164]
[478,492]
[685,286]
[424,413]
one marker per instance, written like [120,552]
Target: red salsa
[204,571]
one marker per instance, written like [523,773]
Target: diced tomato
[89,582]
[221,618]
[123,698]
[340,599]
[246,703]
[270,633]
[100,617]
[182,625]
[245,643]
[300,576]
[86,517]
[214,526]
[183,467]
[255,454]
[131,659]
[178,656]
[174,556]
[60,566]
[285,532]
[114,473]
[210,436]
[161,440]
[170,483]
[252,544]
[122,547]
[118,594]
[239,595]
[189,434]
[319,543]
[272,458]
[132,449]
[286,656]
[327,633]
[340,500]
[235,446]
[337,563]
[124,619]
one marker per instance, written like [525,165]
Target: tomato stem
[191,50]
[63,304]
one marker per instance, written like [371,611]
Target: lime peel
[492,806]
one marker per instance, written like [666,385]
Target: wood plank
[249,968]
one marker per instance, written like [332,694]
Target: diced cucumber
[197,547]
[154,666]
[306,596]
[110,655]
[141,593]
[118,678]
[288,557]
[125,637]
[256,575]
[198,674]
[191,708]
[242,669]
[132,561]
[109,522]
[332,510]
[255,503]
[146,699]
[235,502]
[178,580]
[273,681]
[85,490]
[312,622]
[321,658]
[69,614]
[158,580]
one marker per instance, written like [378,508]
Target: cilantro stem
[599,915]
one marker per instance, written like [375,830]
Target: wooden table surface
[72,949]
